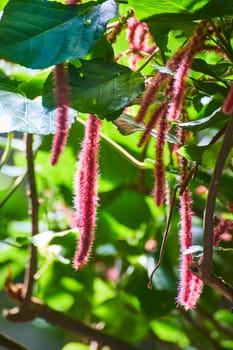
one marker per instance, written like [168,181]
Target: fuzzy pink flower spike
[62,100]
[190,287]
[138,36]
[159,188]
[86,198]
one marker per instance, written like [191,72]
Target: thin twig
[122,151]
[10,343]
[12,190]
[37,309]
[165,236]
[7,150]
[148,60]
[207,262]
[30,271]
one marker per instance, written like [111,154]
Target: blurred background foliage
[111,293]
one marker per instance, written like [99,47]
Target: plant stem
[30,271]
[165,236]
[38,309]
[148,60]
[7,150]
[121,150]
[204,271]
[208,229]
[10,343]
[14,187]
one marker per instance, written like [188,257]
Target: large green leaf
[21,114]
[201,8]
[99,87]
[166,15]
[149,8]
[38,33]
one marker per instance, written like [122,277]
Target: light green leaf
[21,114]
[38,33]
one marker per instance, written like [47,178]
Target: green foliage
[111,292]
[113,88]
[31,116]
[46,33]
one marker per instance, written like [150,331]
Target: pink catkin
[190,287]
[149,95]
[157,113]
[138,36]
[222,230]
[159,188]
[62,101]
[195,45]
[86,198]
[227,107]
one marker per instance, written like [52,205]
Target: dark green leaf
[209,88]
[21,114]
[99,87]
[213,8]
[192,152]
[38,33]
[213,70]
[160,26]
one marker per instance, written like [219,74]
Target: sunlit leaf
[38,33]
[21,114]
[193,250]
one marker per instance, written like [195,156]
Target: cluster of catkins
[172,87]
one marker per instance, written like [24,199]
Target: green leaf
[38,34]
[126,126]
[209,116]
[201,8]
[193,250]
[149,8]
[213,70]
[21,114]
[75,346]
[99,87]
[209,88]
[161,25]
[214,9]
[192,152]
[171,332]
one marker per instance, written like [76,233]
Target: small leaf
[99,87]
[193,250]
[213,70]
[39,34]
[44,238]
[192,152]
[21,114]
[213,119]
[126,126]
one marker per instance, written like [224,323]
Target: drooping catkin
[190,287]
[86,198]
[61,90]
